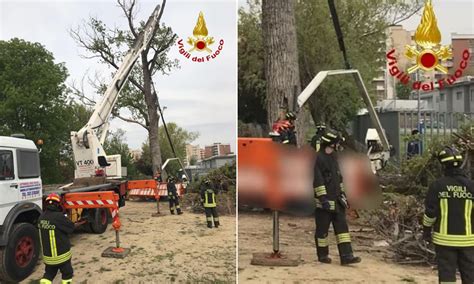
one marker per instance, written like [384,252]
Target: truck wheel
[100,220]
[19,257]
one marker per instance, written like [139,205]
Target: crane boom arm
[103,109]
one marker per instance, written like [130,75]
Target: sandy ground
[165,249]
[297,237]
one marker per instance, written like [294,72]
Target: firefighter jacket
[327,181]
[448,210]
[54,228]
[208,197]
[171,187]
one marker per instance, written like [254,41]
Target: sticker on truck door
[30,190]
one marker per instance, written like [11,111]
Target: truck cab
[20,207]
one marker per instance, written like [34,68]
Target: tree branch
[132,121]
[152,62]
[80,94]
[129,15]
[394,22]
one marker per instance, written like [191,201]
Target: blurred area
[280,177]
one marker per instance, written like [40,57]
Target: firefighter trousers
[323,220]
[174,204]
[211,215]
[50,272]
[450,258]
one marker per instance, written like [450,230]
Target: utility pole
[420,127]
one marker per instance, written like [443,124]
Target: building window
[459,96]
[441,97]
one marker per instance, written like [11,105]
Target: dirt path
[164,250]
[297,236]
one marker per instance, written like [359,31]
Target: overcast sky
[198,96]
[454,16]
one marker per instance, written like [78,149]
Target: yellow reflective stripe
[216,219]
[343,238]
[332,204]
[52,243]
[453,240]
[447,159]
[320,190]
[318,146]
[322,242]
[209,218]
[331,135]
[467,215]
[342,187]
[41,240]
[45,281]
[442,152]
[427,221]
[443,227]
[452,243]
[67,281]
[54,260]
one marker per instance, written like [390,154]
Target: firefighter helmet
[290,116]
[450,156]
[330,138]
[53,198]
[321,126]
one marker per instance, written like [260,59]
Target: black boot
[325,259]
[172,212]
[179,211]
[346,260]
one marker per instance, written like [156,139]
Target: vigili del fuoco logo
[427,55]
[200,42]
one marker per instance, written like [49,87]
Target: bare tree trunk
[154,118]
[281,60]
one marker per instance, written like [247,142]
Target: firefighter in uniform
[289,134]
[449,214]
[208,200]
[331,202]
[283,130]
[173,196]
[54,228]
[316,140]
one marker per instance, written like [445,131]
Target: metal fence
[399,124]
[432,123]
